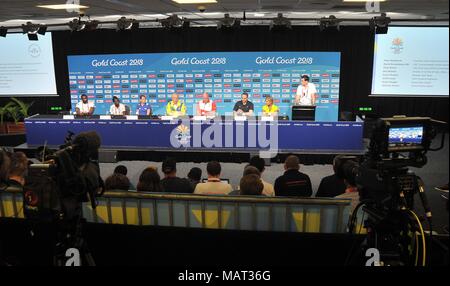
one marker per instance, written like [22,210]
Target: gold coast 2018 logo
[183,134]
[397,45]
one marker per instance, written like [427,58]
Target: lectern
[304,112]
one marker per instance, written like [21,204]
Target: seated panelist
[175,107]
[117,108]
[270,109]
[244,107]
[143,108]
[84,107]
[206,107]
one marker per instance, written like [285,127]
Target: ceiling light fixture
[172,22]
[127,24]
[3,32]
[280,22]
[380,24]
[33,29]
[195,1]
[228,22]
[68,7]
[329,24]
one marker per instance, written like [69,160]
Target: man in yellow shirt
[270,109]
[175,107]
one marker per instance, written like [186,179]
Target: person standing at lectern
[84,107]
[306,92]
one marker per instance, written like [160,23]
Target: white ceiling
[16,12]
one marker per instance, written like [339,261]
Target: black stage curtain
[355,44]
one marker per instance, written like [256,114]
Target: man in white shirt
[84,107]
[306,92]
[206,107]
[214,186]
[117,108]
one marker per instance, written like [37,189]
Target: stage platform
[218,134]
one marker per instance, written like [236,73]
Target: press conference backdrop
[27,67]
[225,75]
[411,61]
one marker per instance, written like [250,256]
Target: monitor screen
[411,61]
[405,136]
[26,67]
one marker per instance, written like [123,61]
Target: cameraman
[348,172]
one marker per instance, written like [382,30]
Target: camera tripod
[71,248]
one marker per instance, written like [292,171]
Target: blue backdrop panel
[224,75]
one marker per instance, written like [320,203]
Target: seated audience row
[293,183]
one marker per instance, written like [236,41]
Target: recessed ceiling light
[195,1]
[63,6]
[259,14]
[365,1]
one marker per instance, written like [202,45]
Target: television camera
[56,188]
[387,188]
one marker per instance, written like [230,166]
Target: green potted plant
[4,113]
[16,111]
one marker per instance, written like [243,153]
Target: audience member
[149,181]
[18,170]
[4,166]
[213,186]
[117,181]
[260,164]
[194,177]
[171,183]
[248,170]
[293,182]
[121,169]
[351,191]
[332,185]
[251,185]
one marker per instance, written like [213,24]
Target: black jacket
[293,183]
[331,186]
[176,185]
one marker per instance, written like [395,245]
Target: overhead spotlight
[77,25]
[228,22]
[280,22]
[91,25]
[329,24]
[3,32]
[379,24]
[172,22]
[127,24]
[42,30]
[32,30]
[186,23]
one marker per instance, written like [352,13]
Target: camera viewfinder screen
[405,136]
